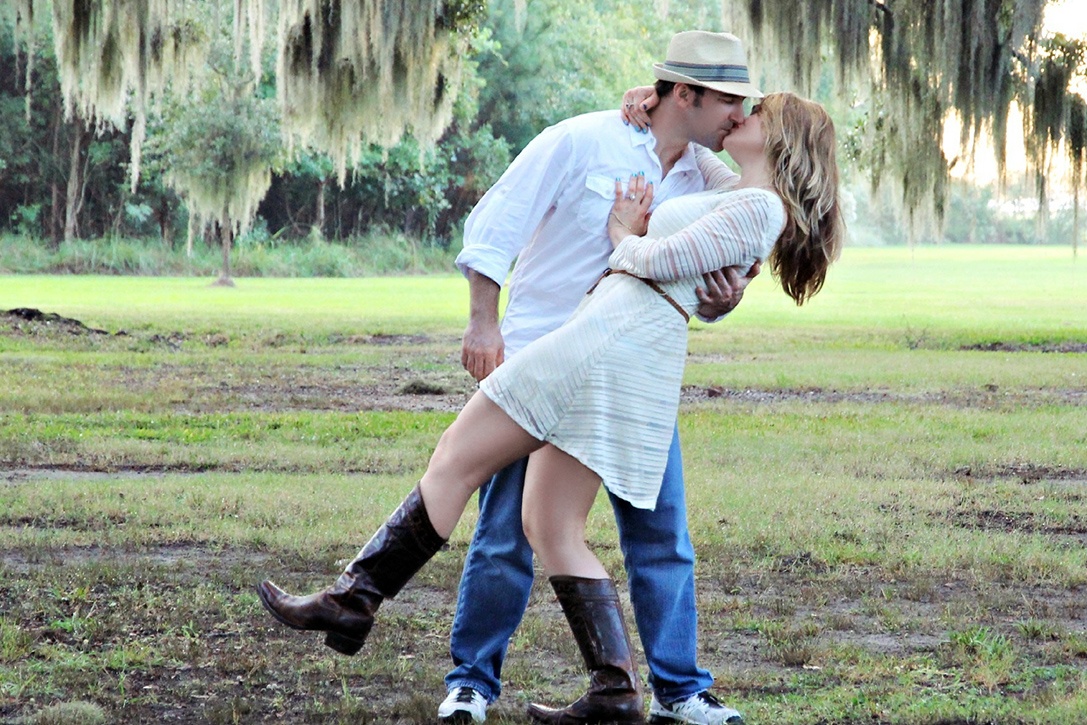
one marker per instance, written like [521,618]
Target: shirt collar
[637,138]
[687,161]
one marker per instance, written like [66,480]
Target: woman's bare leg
[480,442]
[559,491]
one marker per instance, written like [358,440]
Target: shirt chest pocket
[596,201]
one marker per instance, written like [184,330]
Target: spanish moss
[24,35]
[112,54]
[249,25]
[921,62]
[354,73]
[222,155]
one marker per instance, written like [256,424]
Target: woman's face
[746,138]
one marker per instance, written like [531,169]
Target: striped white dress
[605,386]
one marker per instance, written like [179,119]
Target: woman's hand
[630,212]
[636,105]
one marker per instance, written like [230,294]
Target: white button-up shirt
[549,211]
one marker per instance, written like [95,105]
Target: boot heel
[342,643]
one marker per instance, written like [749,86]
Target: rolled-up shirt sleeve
[741,229]
[506,218]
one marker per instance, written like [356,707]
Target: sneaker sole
[670,720]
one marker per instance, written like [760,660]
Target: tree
[348,72]
[218,145]
[351,75]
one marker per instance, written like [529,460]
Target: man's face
[713,116]
[748,137]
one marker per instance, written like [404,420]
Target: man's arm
[482,349]
[497,230]
[723,291]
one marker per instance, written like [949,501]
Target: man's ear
[683,94]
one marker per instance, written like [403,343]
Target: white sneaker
[462,706]
[700,709]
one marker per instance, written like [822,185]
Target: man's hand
[482,349]
[723,291]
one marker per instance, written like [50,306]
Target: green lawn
[887,488]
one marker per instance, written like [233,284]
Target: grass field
[888,493]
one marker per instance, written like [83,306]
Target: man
[549,211]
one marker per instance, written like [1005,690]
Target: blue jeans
[659,561]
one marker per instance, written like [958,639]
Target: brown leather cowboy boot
[592,608]
[399,549]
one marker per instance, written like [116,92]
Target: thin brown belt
[652,285]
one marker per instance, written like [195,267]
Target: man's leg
[659,560]
[494,587]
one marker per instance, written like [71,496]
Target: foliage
[411,188]
[215,136]
[551,59]
[256,255]
[217,148]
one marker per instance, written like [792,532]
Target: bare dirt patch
[1025,473]
[28,320]
[1018,521]
[1058,347]
[394,391]
[985,396]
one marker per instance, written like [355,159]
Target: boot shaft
[396,552]
[595,614]
[593,610]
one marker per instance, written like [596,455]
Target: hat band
[710,73]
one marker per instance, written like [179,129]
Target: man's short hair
[664,88]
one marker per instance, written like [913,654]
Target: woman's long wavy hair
[801,147]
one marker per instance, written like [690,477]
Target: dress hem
[549,439]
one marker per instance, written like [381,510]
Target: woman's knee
[533,529]
[550,537]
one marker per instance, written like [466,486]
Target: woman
[596,400]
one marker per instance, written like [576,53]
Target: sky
[1068,17]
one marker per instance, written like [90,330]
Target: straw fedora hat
[712,60]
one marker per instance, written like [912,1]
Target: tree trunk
[163,214]
[75,184]
[191,233]
[54,185]
[319,227]
[1075,220]
[226,237]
